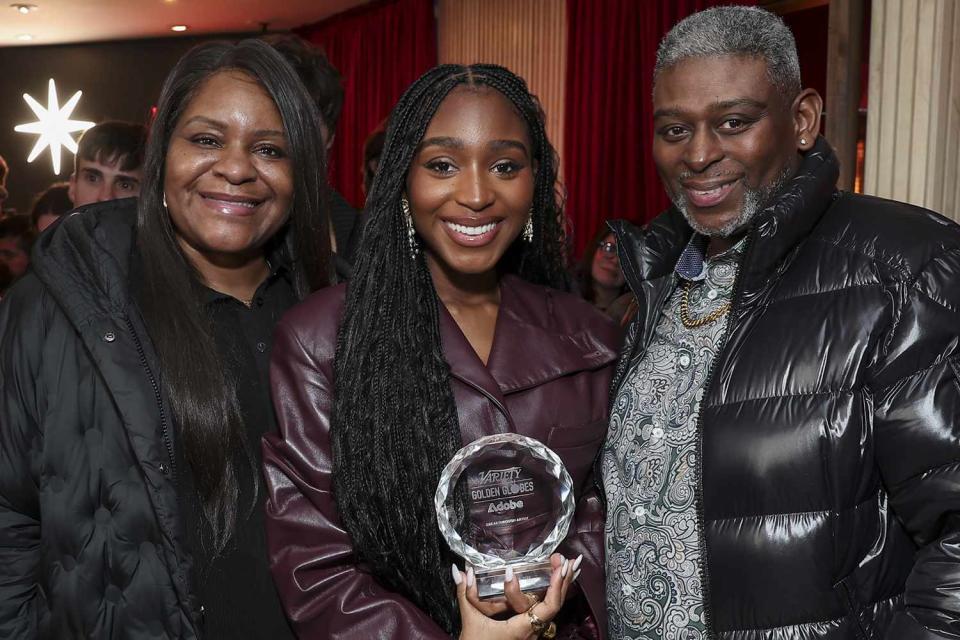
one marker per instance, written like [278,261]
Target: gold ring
[540,627]
[551,632]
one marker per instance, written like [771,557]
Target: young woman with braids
[454,326]
[133,369]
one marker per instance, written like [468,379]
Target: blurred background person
[323,83]
[372,150]
[598,275]
[49,205]
[16,239]
[4,194]
[109,163]
[133,363]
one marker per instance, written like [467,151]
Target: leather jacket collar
[526,323]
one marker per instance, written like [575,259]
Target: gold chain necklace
[691,323]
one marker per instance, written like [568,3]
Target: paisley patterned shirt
[654,588]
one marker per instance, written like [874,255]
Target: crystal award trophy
[517,503]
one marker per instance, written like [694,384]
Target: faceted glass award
[518,503]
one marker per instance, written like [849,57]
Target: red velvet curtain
[379,49]
[608,133]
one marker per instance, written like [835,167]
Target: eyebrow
[449,142]
[442,141]
[497,145]
[216,124]
[207,121]
[724,105]
[740,102]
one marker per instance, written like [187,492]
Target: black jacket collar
[84,261]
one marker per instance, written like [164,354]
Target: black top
[235,589]
[347,224]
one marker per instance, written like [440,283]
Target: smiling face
[228,177]
[470,185]
[725,139]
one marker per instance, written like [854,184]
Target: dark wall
[119,80]
[809,28]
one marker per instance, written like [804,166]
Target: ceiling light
[23,9]
[178,27]
[25,37]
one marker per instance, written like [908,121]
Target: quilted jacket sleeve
[20,596]
[325,592]
[917,429]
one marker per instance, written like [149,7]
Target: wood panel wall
[913,126]
[529,37]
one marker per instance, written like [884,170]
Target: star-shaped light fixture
[53,125]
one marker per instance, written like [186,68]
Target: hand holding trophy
[504,503]
[517,502]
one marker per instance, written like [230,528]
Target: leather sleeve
[586,538]
[324,590]
[20,339]
[917,431]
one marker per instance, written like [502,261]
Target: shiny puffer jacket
[829,462]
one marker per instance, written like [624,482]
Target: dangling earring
[528,228]
[164,200]
[408,220]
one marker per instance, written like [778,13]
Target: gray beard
[754,201]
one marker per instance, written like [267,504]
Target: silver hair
[737,31]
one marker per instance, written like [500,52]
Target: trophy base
[532,577]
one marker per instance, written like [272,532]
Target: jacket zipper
[698,491]
[157,396]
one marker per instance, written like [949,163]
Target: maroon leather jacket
[547,377]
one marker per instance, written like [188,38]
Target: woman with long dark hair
[454,326]
[133,362]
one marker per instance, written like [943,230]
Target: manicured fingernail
[576,564]
[470,577]
[456,574]
[508,575]
[563,569]
[577,574]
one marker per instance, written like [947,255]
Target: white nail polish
[508,575]
[563,570]
[576,575]
[456,574]
[576,564]
[470,577]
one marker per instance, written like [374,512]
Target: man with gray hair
[782,460]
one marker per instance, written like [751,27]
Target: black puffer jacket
[829,479]
[85,449]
